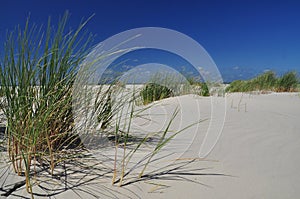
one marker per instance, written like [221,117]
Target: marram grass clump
[36,75]
[153,92]
[287,83]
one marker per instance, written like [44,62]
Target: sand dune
[256,156]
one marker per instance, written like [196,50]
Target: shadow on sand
[87,177]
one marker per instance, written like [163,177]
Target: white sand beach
[256,155]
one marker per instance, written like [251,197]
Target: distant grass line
[164,85]
[268,81]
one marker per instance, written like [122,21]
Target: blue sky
[244,38]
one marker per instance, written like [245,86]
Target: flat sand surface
[257,154]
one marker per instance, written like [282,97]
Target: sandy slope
[260,148]
[257,152]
